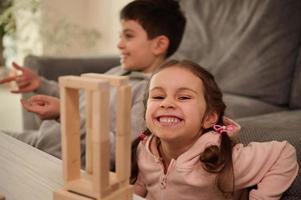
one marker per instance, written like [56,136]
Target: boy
[151,32]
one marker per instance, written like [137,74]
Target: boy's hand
[46,107]
[28,81]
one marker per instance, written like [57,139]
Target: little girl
[188,150]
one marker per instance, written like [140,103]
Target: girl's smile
[169,120]
[176,107]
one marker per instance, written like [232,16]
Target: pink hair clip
[142,136]
[223,129]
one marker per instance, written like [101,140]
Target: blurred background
[69,28]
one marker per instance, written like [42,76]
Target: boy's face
[136,50]
[176,106]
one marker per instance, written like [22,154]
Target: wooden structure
[96,182]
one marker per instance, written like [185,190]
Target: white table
[27,173]
[10,110]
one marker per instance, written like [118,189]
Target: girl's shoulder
[261,153]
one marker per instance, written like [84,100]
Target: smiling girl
[188,151]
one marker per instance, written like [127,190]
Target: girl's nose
[167,103]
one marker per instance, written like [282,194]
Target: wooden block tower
[96,181]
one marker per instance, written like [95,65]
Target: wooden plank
[113,79]
[123,134]
[65,195]
[125,193]
[101,143]
[77,82]
[70,133]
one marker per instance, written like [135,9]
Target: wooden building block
[66,195]
[97,182]
[123,121]
[123,134]
[114,80]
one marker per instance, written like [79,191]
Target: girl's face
[136,50]
[176,106]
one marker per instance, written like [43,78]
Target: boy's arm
[29,81]
[272,166]
[47,87]
[25,79]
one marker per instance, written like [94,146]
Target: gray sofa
[253,49]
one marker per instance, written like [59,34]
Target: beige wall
[70,28]
[81,27]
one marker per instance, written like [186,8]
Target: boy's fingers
[18,91]
[22,90]
[39,100]
[25,103]
[15,91]
[9,79]
[29,107]
[12,78]
[18,67]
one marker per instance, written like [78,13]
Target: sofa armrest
[53,67]
[279,126]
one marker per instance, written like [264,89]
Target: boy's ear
[210,120]
[160,45]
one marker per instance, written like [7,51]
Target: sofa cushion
[276,126]
[239,106]
[53,67]
[250,46]
[295,101]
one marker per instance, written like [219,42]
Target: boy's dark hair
[158,17]
[215,159]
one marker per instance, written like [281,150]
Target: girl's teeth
[169,120]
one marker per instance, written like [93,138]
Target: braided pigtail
[134,166]
[218,159]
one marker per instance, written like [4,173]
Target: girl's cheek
[149,113]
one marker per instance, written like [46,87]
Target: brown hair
[158,17]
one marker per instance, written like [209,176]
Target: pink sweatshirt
[271,165]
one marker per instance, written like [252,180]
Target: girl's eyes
[181,98]
[184,98]
[157,97]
